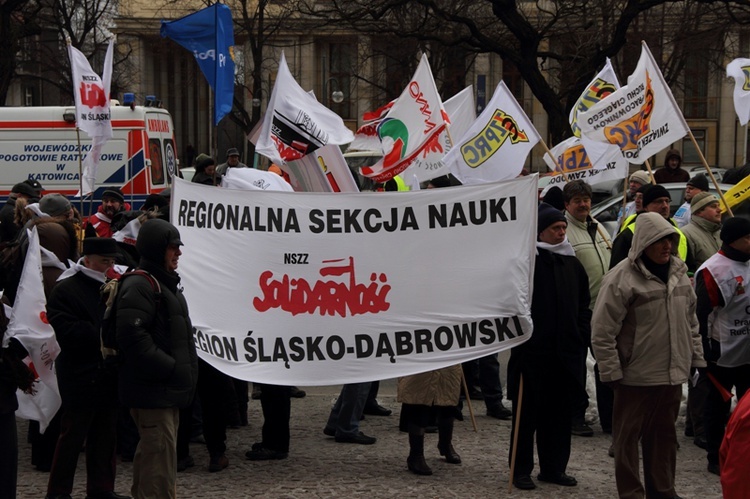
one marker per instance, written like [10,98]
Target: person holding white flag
[92,109]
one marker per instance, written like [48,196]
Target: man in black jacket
[88,386]
[159,368]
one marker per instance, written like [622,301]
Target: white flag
[29,325]
[461,112]
[325,170]
[739,69]
[603,84]
[412,127]
[366,137]
[295,123]
[496,145]
[641,118]
[92,109]
[572,161]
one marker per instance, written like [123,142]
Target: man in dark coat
[88,385]
[159,366]
[8,228]
[550,360]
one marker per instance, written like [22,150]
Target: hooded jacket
[154,332]
[645,331]
[702,239]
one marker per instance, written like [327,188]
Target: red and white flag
[428,165]
[412,126]
[295,123]
[366,137]
[325,170]
[739,69]
[92,109]
[641,118]
[496,145]
[29,325]
[603,84]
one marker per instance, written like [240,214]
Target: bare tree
[17,23]
[556,45]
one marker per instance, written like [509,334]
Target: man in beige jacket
[645,339]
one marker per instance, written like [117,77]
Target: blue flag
[209,35]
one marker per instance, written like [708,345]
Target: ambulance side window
[157,166]
[170,158]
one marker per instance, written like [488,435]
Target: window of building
[696,84]
[689,155]
[341,62]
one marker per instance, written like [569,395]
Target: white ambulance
[41,143]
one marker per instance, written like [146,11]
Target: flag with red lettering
[411,128]
[429,164]
[641,118]
[366,137]
[29,325]
[572,161]
[92,109]
[739,69]
[496,145]
[295,123]
[603,84]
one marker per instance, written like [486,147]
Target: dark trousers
[485,373]
[344,417]
[548,393]
[97,428]
[646,414]
[277,409]
[214,390]
[582,402]
[696,405]
[605,399]
[716,412]
[8,455]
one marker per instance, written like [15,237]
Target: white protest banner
[739,69]
[28,324]
[324,170]
[343,288]
[573,162]
[641,118]
[496,145]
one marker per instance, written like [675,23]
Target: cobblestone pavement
[319,467]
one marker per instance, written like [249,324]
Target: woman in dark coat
[205,167]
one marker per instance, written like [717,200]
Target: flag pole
[517,421]
[78,140]
[468,399]
[710,173]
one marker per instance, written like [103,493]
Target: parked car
[358,159]
[606,211]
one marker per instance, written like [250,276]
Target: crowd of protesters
[633,302]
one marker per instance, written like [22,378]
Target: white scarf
[564,248]
[80,267]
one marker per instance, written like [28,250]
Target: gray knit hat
[701,200]
[54,204]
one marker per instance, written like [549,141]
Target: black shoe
[104,495]
[261,453]
[700,442]
[714,468]
[582,430]
[524,482]
[330,432]
[475,394]
[500,412]
[451,456]
[418,465]
[359,438]
[218,463]
[558,478]
[377,410]
[58,496]
[185,463]
[297,393]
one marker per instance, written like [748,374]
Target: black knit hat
[699,182]
[113,192]
[734,228]
[547,216]
[655,192]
